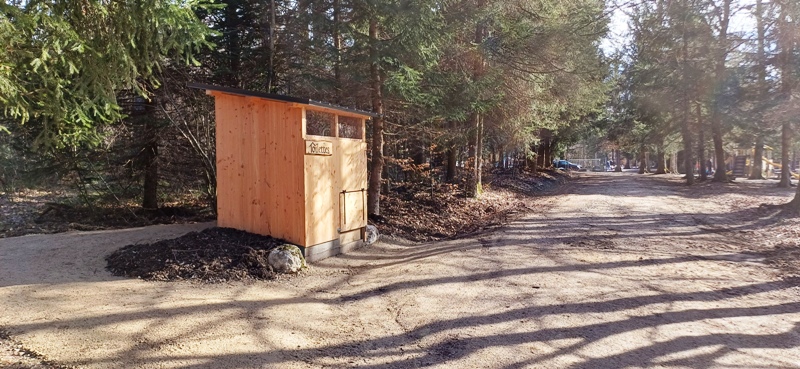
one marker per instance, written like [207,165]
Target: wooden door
[352,210]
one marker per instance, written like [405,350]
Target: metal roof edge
[277,97]
[341,108]
[239,91]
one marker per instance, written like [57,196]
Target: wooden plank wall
[260,153]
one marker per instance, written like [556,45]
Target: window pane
[350,127]
[319,123]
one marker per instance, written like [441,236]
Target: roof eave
[281,98]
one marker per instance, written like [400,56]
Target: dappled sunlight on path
[616,271]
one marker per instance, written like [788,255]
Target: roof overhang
[319,105]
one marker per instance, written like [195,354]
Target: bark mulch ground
[441,212]
[213,255]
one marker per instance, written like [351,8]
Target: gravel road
[616,271]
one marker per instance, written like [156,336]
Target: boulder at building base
[286,258]
[371,234]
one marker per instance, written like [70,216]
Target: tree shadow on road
[415,348]
[520,333]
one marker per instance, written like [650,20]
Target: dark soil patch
[211,256]
[422,213]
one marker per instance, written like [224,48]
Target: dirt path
[618,271]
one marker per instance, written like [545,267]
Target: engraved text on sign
[319,148]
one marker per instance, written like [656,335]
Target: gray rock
[371,234]
[286,258]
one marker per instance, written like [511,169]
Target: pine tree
[64,62]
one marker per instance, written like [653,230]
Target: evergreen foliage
[64,62]
[462,82]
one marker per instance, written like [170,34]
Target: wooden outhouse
[291,168]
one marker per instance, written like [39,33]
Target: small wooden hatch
[291,168]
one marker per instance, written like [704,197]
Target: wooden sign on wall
[324,148]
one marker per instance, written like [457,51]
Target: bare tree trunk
[673,162]
[472,157]
[337,45]
[450,175]
[475,145]
[376,171]
[479,159]
[785,165]
[552,143]
[701,144]
[719,153]
[720,174]
[661,166]
[688,161]
[794,205]
[546,158]
[150,153]
[271,71]
[643,162]
[785,65]
[540,155]
[233,47]
[757,171]
[149,156]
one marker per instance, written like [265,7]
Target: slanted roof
[283,98]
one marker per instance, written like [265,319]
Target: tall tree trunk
[785,65]
[701,144]
[785,165]
[233,47]
[479,159]
[337,46]
[757,170]
[661,166]
[475,145]
[470,190]
[150,199]
[673,162]
[540,155]
[789,40]
[150,161]
[643,162]
[720,174]
[686,132]
[450,175]
[376,171]
[271,70]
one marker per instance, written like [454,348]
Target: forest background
[95,99]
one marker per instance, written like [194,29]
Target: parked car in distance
[564,164]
